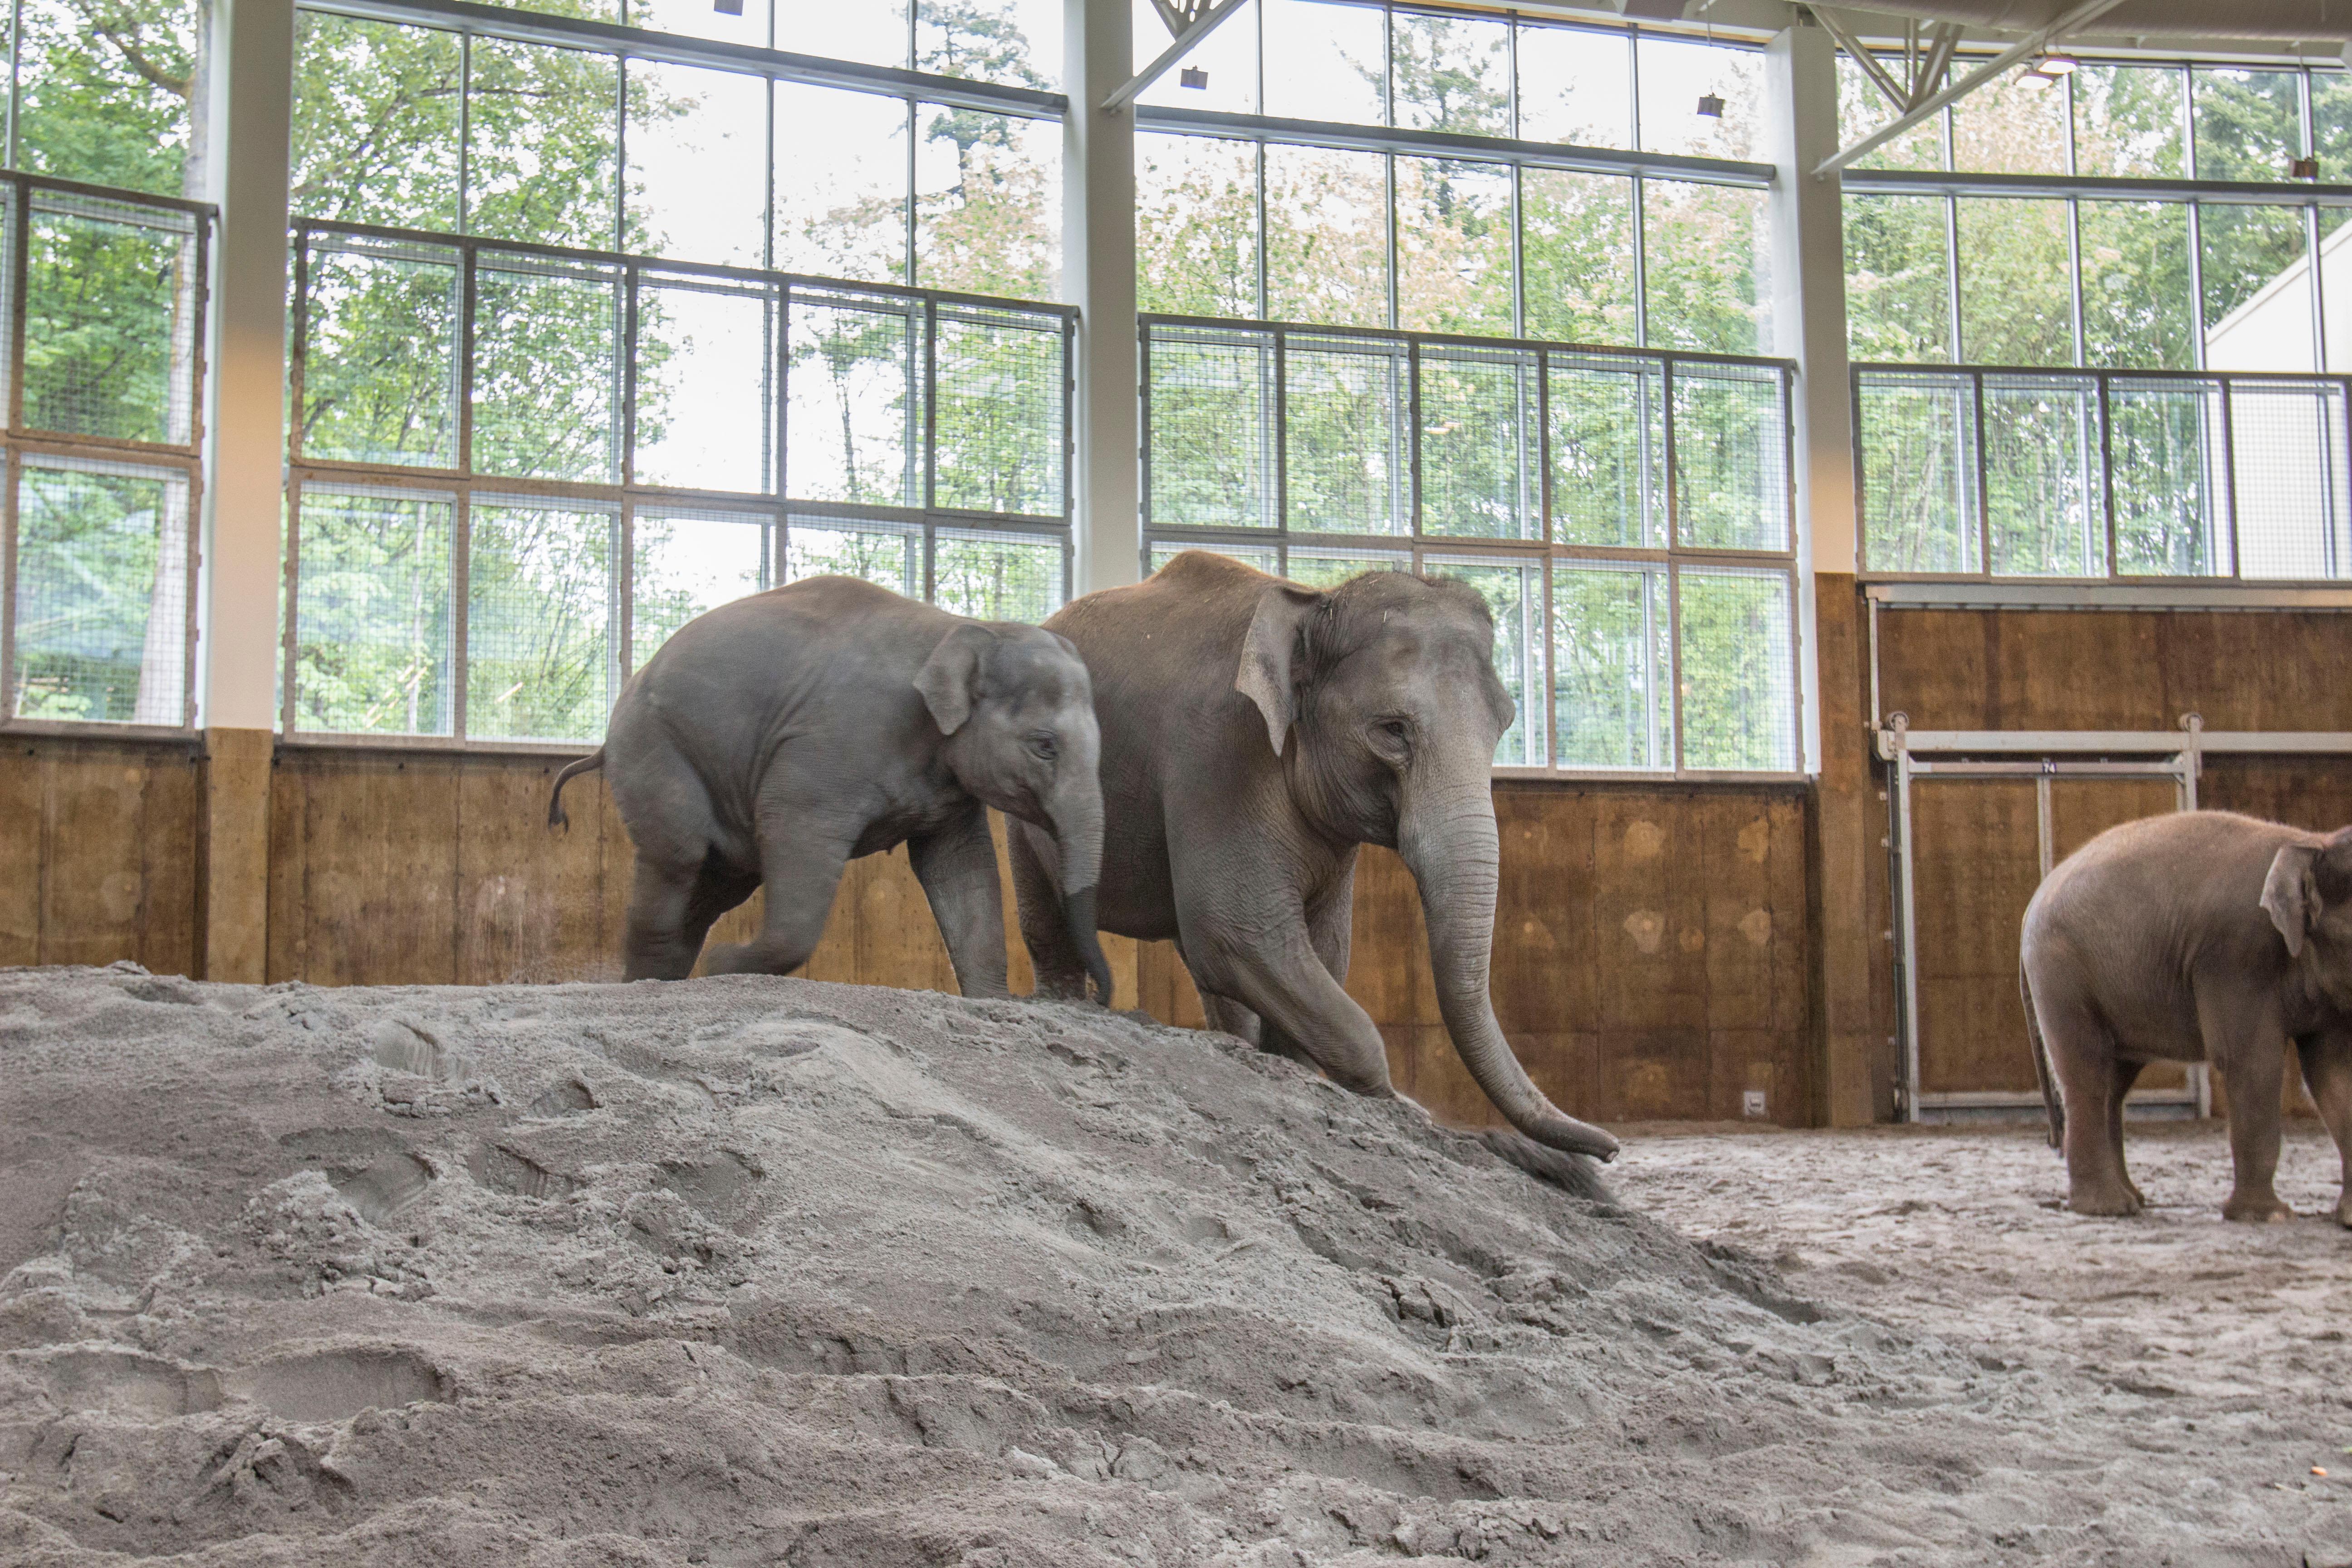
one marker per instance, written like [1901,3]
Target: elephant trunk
[1447,839]
[1078,832]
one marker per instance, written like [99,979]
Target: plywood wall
[97,852]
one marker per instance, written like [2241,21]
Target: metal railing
[1627,513]
[514,468]
[2091,476]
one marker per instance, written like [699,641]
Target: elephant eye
[1393,729]
[1044,746]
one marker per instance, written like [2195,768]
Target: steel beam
[1202,26]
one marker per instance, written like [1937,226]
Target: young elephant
[2200,936]
[773,740]
[1254,733]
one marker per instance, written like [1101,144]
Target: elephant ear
[950,678]
[1268,674]
[2291,894]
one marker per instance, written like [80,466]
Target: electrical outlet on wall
[1751,1104]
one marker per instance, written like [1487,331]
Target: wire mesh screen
[1514,592]
[1211,402]
[1917,434]
[546,392]
[854,426]
[875,550]
[1608,450]
[381,325]
[100,617]
[1481,450]
[1266,558]
[2168,480]
[997,421]
[2044,510]
[542,585]
[1345,454]
[1734,668]
[1612,661]
[113,303]
[375,650]
[687,561]
[704,404]
[1327,567]
[998,576]
[2287,441]
[1731,457]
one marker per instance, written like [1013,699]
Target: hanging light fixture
[1710,105]
[2036,81]
[1192,76]
[2056,65]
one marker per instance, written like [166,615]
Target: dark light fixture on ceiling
[1192,76]
[1711,106]
[2302,169]
[727,8]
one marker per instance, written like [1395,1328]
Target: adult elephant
[1254,733]
[775,738]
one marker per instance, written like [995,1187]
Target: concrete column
[1098,277]
[1809,325]
[249,133]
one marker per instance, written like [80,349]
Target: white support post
[1098,277]
[1809,317]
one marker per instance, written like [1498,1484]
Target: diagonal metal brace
[1190,21]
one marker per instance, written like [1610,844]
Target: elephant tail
[556,816]
[2041,1073]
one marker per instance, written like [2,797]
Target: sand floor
[756,1271]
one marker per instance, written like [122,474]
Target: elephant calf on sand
[2202,936]
[773,740]
[1254,733]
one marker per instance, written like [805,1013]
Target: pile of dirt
[753,1271]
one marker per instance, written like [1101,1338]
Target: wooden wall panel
[98,860]
[1978,861]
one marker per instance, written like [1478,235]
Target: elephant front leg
[2253,1064]
[957,867]
[2327,1073]
[1276,974]
[801,862]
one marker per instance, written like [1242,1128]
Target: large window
[1626,515]
[515,469]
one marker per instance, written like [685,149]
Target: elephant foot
[2344,1211]
[2119,1201]
[2261,1208]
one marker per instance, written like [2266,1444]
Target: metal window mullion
[1143,443]
[780,369]
[1257,216]
[632,284]
[464,129]
[622,662]
[930,311]
[1282,449]
[16,72]
[620,151]
[2074,272]
[1640,262]
[290,639]
[19,276]
[907,263]
[1412,411]
[1958,348]
[1395,301]
[2197,283]
[461,608]
[768,159]
[1518,245]
[2107,468]
[2230,476]
[1861,471]
[12,475]
[1673,671]
[1984,496]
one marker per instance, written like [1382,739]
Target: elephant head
[1381,698]
[1018,714]
[2309,896]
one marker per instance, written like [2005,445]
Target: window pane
[373,625]
[546,354]
[1196,225]
[1609,452]
[1707,254]
[1919,473]
[999,413]
[2331,124]
[873,32]
[697,164]
[88,109]
[2016,303]
[1736,671]
[686,563]
[2167,467]
[1480,447]
[2127,122]
[538,589]
[1329,568]
[1898,279]
[1229,56]
[1513,596]
[2288,444]
[380,357]
[1452,73]
[997,577]
[1262,558]
[2043,497]
[1862,109]
[853,428]
[1730,459]
[590,10]
[101,621]
[987,202]
[2258,304]
[1212,435]
[1575,87]
[2007,127]
[1577,248]
[871,553]
[2139,309]
[1017,43]
[375,122]
[2248,123]
[701,19]
[1327,249]
[1610,661]
[842,212]
[1331,61]
[1344,437]
[543,130]
[1676,74]
[705,398]
[109,320]
[1453,247]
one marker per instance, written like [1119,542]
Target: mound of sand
[754,1271]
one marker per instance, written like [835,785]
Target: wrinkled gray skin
[773,740]
[2202,936]
[1254,733]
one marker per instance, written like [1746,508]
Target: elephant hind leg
[800,870]
[2125,1075]
[672,909]
[2083,1059]
[1037,895]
